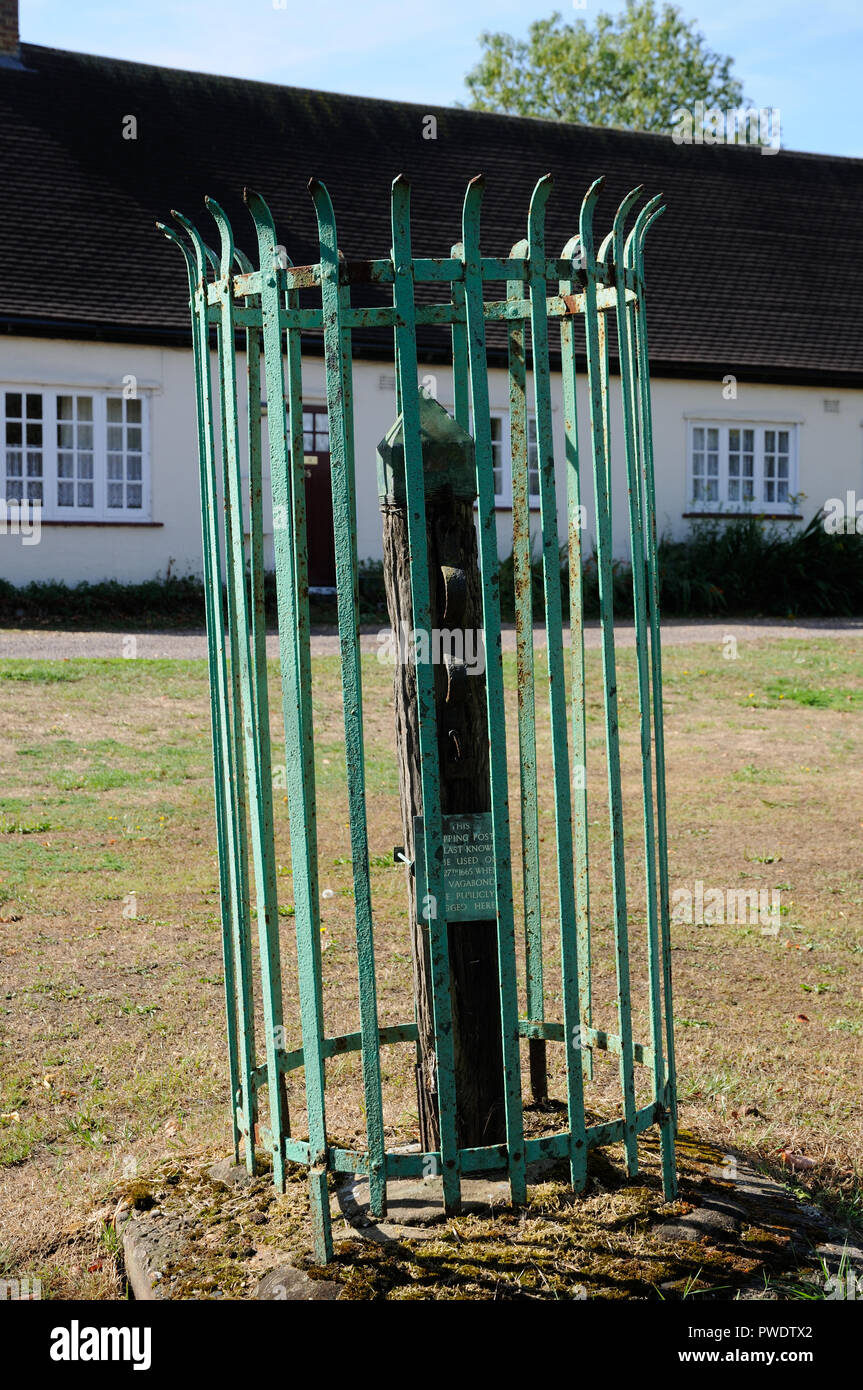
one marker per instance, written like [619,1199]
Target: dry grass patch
[112,1055]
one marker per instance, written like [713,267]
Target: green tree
[631,70]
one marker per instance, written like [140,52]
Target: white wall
[831,453]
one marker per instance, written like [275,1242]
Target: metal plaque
[468,860]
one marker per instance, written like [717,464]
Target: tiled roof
[755,269]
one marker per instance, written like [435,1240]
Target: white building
[755,287]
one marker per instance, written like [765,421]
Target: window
[501,453]
[498,466]
[742,467]
[532,461]
[24,453]
[316,432]
[75,451]
[125,454]
[82,454]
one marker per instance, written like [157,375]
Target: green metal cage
[262,306]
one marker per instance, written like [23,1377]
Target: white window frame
[503,499]
[760,503]
[100,511]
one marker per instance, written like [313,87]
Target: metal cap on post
[448,457]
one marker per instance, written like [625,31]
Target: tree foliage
[630,70]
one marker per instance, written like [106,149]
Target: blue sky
[804,57]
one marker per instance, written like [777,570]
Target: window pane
[13,433]
[770,440]
[13,404]
[133,469]
[14,492]
[13,465]
[734,439]
[115,408]
[783,441]
[34,406]
[133,412]
[133,495]
[115,494]
[133,440]
[85,436]
[34,434]
[65,409]
[698,438]
[65,494]
[115,465]
[85,494]
[115,437]
[85,407]
[65,466]
[34,465]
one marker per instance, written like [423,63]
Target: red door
[319,499]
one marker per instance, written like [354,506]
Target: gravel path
[58,646]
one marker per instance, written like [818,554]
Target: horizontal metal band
[446,270]
[427,315]
[407,1032]
[493,1156]
[592,1037]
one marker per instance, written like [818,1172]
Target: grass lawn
[112,1055]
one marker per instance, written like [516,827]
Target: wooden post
[457,649]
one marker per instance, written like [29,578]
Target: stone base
[415,1209]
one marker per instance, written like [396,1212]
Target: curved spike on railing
[647,226]
[536,212]
[400,205]
[630,249]
[620,217]
[203,255]
[326,216]
[607,240]
[226,235]
[470,215]
[178,241]
[265,227]
[519,250]
[242,262]
[569,250]
[585,220]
